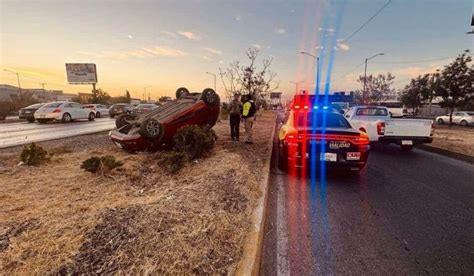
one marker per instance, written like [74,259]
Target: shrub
[33,155]
[172,161]
[6,107]
[100,165]
[194,141]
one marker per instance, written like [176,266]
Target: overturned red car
[155,129]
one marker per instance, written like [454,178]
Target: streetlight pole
[364,93]
[317,68]
[296,84]
[44,91]
[18,79]
[144,92]
[214,79]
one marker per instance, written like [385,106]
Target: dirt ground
[56,218]
[456,138]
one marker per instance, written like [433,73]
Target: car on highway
[377,122]
[155,129]
[463,118]
[28,113]
[312,134]
[64,112]
[119,109]
[99,109]
[144,108]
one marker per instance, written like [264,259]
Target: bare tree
[378,88]
[249,79]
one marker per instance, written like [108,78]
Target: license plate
[331,157]
[407,142]
[353,156]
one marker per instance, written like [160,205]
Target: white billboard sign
[81,73]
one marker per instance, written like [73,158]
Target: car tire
[440,121]
[42,121]
[182,91]
[111,116]
[66,118]
[30,120]
[464,123]
[406,148]
[97,114]
[151,129]
[91,116]
[210,97]
[123,120]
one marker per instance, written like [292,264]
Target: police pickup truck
[380,127]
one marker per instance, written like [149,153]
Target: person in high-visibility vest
[248,113]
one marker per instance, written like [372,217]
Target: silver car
[64,112]
[463,118]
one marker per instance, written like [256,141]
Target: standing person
[248,113]
[235,108]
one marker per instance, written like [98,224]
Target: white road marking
[283,267]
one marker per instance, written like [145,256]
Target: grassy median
[57,218]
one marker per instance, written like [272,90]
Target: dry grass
[138,220]
[455,138]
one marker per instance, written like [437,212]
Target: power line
[413,61]
[368,21]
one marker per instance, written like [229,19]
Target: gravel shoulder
[456,139]
[56,218]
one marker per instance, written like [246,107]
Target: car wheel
[150,128]
[97,115]
[406,147]
[66,118]
[464,123]
[30,120]
[111,116]
[210,97]
[91,116]
[123,120]
[42,121]
[440,121]
[182,91]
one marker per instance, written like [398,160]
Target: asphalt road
[407,213]
[14,134]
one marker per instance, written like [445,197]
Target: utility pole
[44,91]
[18,79]
[215,89]
[317,69]
[364,92]
[296,84]
[144,92]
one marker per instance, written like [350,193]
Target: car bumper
[400,140]
[26,116]
[131,143]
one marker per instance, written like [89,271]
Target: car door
[80,112]
[457,117]
[67,108]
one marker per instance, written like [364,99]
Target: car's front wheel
[91,116]
[66,118]
[123,120]
[182,91]
[440,121]
[150,128]
[210,97]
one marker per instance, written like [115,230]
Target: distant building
[8,92]
[84,97]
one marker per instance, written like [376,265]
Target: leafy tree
[248,79]
[377,89]
[418,91]
[100,97]
[127,95]
[455,83]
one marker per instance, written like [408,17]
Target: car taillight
[381,128]
[57,110]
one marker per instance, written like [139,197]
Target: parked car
[99,109]
[119,109]
[64,112]
[312,134]
[155,129]
[377,122]
[463,118]
[28,112]
[144,108]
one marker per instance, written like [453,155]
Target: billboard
[81,73]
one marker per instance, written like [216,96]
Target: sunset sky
[168,44]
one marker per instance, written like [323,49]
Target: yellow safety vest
[246,108]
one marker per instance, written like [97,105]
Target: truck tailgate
[408,127]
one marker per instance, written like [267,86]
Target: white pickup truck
[378,124]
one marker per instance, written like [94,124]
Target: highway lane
[407,213]
[14,134]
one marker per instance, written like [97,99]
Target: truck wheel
[210,97]
[91,116]
[406,147]
[440,121]
[150,128]
[182,91]
[123,120]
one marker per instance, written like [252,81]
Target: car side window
[75,105]
[68,105]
